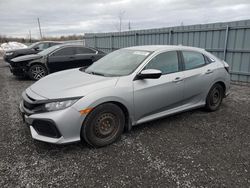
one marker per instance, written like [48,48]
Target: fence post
[83,41]
[111,43]
[225,44]
[136,39]
[95,41]
[170,36]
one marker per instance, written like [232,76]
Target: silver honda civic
[125,88]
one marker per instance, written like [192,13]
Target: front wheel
[37,72]
[103,125]
[214,97]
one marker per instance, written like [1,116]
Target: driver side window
[166,62]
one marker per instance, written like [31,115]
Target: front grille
[46,128]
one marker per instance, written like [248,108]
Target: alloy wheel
[38,72]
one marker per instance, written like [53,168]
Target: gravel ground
[192,149]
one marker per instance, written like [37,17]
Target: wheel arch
[128,124]
[222,84]
[36,63]
[128,121]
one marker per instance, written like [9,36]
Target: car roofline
[156,48]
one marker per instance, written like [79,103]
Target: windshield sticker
[141,53]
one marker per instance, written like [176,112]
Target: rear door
[198,76]
[63,58]
[84,57]
[153,96]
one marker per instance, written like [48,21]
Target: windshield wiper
[96,73]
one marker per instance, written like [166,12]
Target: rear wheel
[37,72]
[214,97]
[103,125]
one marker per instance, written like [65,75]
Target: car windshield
[48,50]
[33,45]
[118,63]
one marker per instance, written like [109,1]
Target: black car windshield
[33,45]
[49,50]
[118,63]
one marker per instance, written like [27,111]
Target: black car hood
[23,51]
[27,58]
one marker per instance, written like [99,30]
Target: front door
[62,59]
[155,96]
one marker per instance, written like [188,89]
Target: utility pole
[120,16]
[30,35]
[38,21]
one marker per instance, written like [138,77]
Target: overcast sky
[67,17]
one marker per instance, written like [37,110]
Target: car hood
[70,83]
[26,58]
[22,51]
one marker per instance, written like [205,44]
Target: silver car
[125,88]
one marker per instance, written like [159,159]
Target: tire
[37,71]
[103,125]
[214,98]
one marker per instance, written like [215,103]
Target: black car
[53,59]
[32,49]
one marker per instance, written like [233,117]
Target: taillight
[227,69]
[226,66]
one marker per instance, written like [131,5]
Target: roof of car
[69,44]
[153,48]
[50,41]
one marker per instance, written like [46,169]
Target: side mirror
[36,48]
[149,74]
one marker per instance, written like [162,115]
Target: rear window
[65,52]
[82,50]
[193,60]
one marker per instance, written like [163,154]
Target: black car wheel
[37,72]
[103,125]
[214,97]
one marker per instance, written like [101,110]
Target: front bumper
[65,123]
[18,71]
[7,59]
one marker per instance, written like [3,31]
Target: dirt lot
[192,149]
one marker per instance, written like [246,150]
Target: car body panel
[16,53]
[53,86]
[26,58]
[157,95]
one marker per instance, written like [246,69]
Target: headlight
[60,105]
[8,53]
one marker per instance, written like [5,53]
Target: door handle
[209,71]
[71,57]
[177,79]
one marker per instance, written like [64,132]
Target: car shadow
[49,149]
[22,78]
[167,119]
